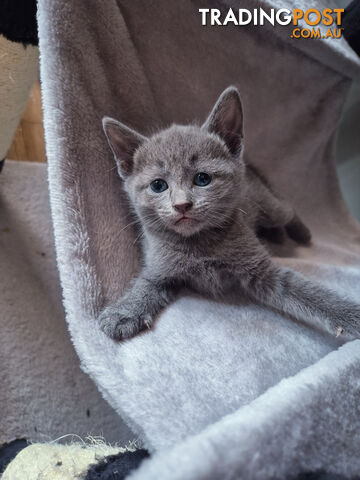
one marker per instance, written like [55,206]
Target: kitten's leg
[276,213]
[292,293]
[298,231]
[136,310]
[273,212]
[274,234]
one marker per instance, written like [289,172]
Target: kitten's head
[186,178]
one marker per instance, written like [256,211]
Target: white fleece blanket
[219,390]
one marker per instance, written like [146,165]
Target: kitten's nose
[183,207]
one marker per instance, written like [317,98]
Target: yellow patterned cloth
[52,461]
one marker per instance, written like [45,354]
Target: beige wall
[28,143]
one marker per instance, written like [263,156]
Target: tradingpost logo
[311,23]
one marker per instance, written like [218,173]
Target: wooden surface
[28,143]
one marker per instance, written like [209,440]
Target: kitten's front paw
[120,322]
[350,326]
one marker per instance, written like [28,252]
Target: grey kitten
[200,207]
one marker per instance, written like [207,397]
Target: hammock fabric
[214,390]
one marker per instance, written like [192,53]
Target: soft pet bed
[213,390]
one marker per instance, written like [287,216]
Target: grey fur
[212,247]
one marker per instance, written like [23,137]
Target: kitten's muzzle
[183,207]
[184,219]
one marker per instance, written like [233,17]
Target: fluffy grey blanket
[218,391]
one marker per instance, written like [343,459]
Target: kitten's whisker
[138,237]
[129,224]
[111,169]
[258,205]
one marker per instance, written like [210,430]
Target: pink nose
[183,207]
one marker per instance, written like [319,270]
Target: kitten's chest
[206,274]
[205,270]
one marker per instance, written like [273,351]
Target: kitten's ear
[226,119]
[123,142]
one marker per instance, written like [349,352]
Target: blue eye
[158,185]
[202,179]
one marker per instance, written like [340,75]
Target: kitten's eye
[202,179]
[158,185]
